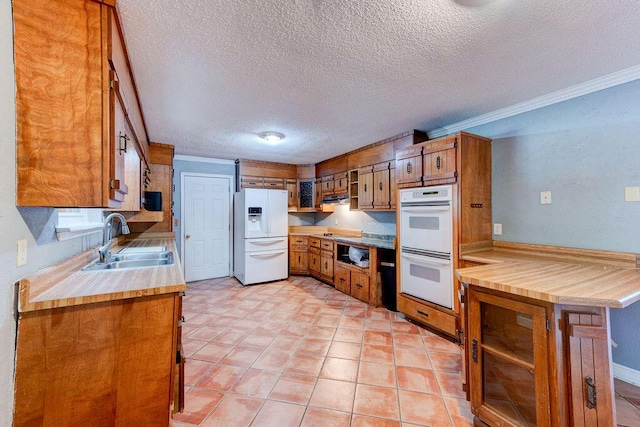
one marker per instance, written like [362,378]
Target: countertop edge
[70,267]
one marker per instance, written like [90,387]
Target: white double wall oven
[426,241]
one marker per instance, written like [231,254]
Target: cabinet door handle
[474,350]
[291,194]
[422,313]
[298,259]
[188,236]
[123,142]
[342,279]
[380,185]
[592,394]
[438,162]
[340,183]
[409,167]
[326,266]
[358,285]
[365,188]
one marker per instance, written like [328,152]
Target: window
[75,222]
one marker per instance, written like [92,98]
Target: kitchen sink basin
[121,261]
[143,249]
[140,256]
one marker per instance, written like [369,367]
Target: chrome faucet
[104,252]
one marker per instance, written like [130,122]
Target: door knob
[187,236]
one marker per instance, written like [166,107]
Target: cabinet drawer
[251,182]
[314,242]
[274,183]
[360,285]
[299,243]
[326,245]
[427,315]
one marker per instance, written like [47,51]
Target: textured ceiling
[335,75]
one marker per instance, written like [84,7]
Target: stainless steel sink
[140,256]
[143,249]
[137,260]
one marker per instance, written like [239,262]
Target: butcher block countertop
[556,274]
[65,284]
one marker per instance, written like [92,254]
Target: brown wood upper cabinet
[341,183]
[72,77]
[365,188]
[409,166]
[439,161]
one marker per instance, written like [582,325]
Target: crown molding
[203,159]
[600,83]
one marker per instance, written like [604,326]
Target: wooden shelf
[144,216]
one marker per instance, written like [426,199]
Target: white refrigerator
[260,235]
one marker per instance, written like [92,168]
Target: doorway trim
[231,179]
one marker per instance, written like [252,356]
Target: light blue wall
[368,222]
[585,151]
[180,166]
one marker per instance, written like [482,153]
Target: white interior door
[206,227]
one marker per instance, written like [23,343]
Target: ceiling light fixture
[272,138]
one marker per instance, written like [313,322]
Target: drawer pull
[422,313]
[358,285]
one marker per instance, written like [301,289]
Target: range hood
[342,198]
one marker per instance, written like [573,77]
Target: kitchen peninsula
[537,324]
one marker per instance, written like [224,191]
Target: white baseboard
[625,374]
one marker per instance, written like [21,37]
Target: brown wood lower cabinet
[299,255]
[360,286]
[533,363]
[343,280]
[100,364]
[321,259]
[353,282]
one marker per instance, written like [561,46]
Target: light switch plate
[497,229]
[545,197]
[632,194]
[21,257]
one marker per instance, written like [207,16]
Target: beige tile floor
[300,353]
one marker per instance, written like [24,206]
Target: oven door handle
[426,260]
[425,209]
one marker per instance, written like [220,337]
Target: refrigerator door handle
[269,254]
[267,215]
[265,242]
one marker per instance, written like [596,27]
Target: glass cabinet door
[508,361]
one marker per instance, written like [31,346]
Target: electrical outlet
[497,229]
[545,197]
[335,221]
[632,194]
[21,257]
